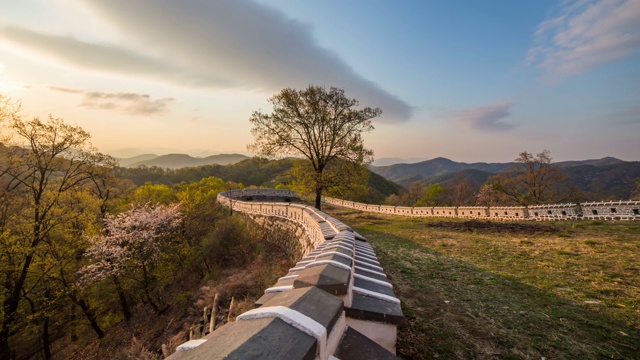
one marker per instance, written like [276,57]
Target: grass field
[522,290]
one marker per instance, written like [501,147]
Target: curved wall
[335,303]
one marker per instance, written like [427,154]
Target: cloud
[485,118]
[130,103]
[104,57]
[629,115]
[126,102]
[65,89]
[584,35]
[213,44]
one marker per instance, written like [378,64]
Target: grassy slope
[510,290]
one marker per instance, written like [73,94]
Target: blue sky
[467,80]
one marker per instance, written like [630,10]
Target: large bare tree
[320,125]
[532,180]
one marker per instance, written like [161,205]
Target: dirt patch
[495,227]
[365,216]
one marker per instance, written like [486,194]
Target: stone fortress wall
[335,303]
[606,210]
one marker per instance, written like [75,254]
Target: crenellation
[423,211]
[611,210]
[604,210]
[404,210]
[508,213]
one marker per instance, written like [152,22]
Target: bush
[231,244]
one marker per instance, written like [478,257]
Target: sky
[472,81]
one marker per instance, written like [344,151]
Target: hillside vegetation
[250,172]
[96,267]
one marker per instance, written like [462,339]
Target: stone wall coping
[553,206]
[325,276]
[619,210]
[607,203]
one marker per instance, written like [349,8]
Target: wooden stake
[231,308]
[214,313]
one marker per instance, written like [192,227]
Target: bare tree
[635,194]
[461,191]
[532,180]
[319,125]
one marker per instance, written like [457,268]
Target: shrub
[231,244]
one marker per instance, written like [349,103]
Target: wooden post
[231,308]
[206,313]
[214,313]
[165,351]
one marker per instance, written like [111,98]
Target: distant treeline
[251,172]
[255,171]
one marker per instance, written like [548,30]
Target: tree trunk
[5,351]
[123,299]
[318,198]
[46,342]
[88,313]
[146,290]
[10,306]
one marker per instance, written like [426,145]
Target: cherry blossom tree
[132,245]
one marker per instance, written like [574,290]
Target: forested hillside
[94,266]
[404,174]
[605,182]
[251,172]
[589,180]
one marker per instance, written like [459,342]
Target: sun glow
[7,85]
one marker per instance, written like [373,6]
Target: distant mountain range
[178,161]
[603,178]
[405,174]
[392,161]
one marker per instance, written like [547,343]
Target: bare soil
[495,227]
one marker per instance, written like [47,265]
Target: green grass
[477,290]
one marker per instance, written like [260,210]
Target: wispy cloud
[201,43]
[66,89]
[484,118]
[130,103]
[584,35]
[629,115]
[105,57]
[125,102]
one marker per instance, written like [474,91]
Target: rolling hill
[597,179]
[136,159]
[178,161]
[405,174]
[611,181]
[436,170]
